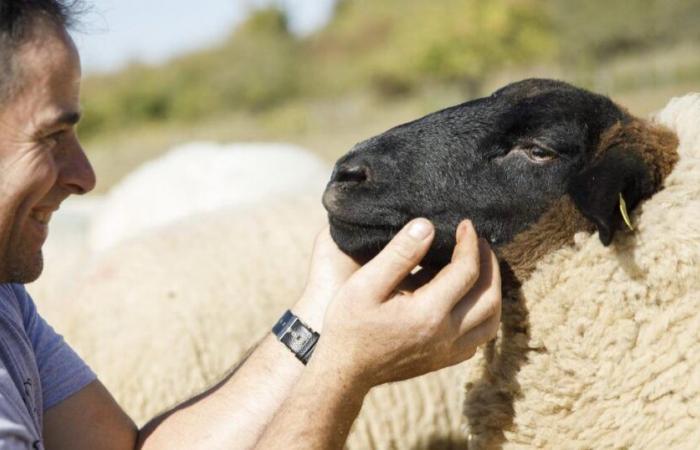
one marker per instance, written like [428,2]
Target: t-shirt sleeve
[62,371]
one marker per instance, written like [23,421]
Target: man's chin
[25,271]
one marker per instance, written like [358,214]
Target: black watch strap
[298,337]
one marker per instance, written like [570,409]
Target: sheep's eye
[540,154]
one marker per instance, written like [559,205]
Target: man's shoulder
[16,350]
[15,303]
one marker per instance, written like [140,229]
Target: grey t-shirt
[38,370]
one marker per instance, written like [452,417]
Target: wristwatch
[296,335]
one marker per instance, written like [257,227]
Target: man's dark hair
[16,20]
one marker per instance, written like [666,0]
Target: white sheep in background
[185,303]
[203,177]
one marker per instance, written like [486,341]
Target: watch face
[293,333]
[298,336]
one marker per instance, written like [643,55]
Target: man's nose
[76,174]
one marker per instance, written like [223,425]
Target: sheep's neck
[554,230]
[489,404]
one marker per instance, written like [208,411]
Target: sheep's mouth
[362,241]
[336,221]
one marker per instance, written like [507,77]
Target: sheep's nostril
[349,174]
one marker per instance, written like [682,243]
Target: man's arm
[366,340]
[89,419]
[318,414]
[231,414]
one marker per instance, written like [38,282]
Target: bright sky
[119,31]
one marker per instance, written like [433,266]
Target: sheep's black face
[500,161]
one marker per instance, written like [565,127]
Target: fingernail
[420,229]
[462,229]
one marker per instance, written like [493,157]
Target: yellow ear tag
[623,211]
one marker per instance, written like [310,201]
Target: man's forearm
[318,413]
[235,412]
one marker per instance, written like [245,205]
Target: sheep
[169,188]
[538,167]
[611,359]
[177,350]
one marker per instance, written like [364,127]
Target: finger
[329,267]
[416,280]
[479,335]
[380,277]
[484,299]
[458,277]
[465,347]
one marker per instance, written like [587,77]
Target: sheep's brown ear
[633,160]
[596,190]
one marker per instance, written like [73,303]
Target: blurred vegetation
[597,31]
[384,53]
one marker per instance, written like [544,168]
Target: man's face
[41,160]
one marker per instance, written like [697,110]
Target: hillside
[380,62]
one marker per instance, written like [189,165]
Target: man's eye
[54,137]
[540,154]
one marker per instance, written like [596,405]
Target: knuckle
[490,330]
[493,306]
[433,322]
[493,331]
[427,324]
[465,353]
[466,275]
[470,270]
[404,249]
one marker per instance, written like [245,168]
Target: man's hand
[329,270]
[374,334]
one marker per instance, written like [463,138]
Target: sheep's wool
[202,177]
[616,330]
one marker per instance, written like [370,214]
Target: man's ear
[596,190]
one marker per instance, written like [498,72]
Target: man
[371,332]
